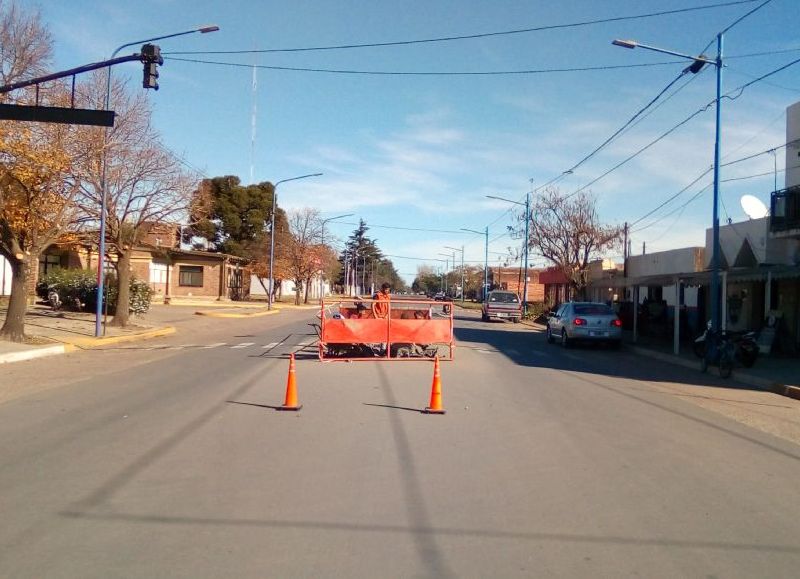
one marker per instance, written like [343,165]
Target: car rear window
[593,310]
[503,298]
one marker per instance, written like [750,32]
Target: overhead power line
[425,73]
[739,90]
[478,35]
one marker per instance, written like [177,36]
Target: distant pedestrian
[380,307]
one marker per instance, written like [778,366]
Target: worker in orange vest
[380,307]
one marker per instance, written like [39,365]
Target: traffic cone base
[290,403]
[436,392]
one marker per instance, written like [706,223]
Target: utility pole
[625,252]
[346,272]
[525,281]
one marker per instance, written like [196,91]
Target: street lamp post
[462,267]
[699,62]
[322,242]
[485,233]
[446,267]
[101,252]
[527,206]
[272,231]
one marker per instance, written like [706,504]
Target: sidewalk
[51,333]
[780,375]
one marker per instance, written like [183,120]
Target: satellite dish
[753,207]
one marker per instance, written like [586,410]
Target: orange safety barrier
[408,330]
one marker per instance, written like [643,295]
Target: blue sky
[423,152]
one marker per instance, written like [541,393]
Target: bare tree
[26,46]
[36,196]
[302,256]
[145,185]
[566,231]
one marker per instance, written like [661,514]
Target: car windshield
[504,298]
[593,310]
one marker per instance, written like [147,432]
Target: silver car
[584,321]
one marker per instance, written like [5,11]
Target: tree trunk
[298,287]
[308,286]
[122,315]
[14,327]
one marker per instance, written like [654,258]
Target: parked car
[502,305]
[584,321]
[439,296]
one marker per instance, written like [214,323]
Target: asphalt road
[168,459]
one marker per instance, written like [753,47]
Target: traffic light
[151,57]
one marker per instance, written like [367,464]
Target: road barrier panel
[400,329]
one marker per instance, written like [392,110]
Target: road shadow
[530,348]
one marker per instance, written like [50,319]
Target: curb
[90,343]
[212,314]
[35,353]
[761,383]
[214,304]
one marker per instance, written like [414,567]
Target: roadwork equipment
[290,402]
[436,392]
[411,329]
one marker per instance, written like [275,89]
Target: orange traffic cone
[436,392]
[291,389]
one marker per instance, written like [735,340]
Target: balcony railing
[785,209]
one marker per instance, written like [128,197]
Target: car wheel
[549,335]
[484,318]
[516,320]
[565,341]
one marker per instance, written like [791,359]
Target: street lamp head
[209,28]
[625,43]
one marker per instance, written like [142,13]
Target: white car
[584,321]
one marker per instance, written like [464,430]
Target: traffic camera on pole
[151,57]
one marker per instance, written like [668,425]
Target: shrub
[140,296]
[74,286]
[537,311]
[80,285]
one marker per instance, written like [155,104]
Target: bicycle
[720,351]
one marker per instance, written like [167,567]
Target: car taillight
[579,322]
[616,323]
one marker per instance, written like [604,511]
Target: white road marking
[307,343]
[242,345]
[217,345]
[270,345]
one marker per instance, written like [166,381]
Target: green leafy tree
[235,217]
[365,264]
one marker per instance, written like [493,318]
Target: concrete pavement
[52,333]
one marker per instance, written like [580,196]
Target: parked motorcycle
[745,346]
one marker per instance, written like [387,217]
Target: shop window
[190,275]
